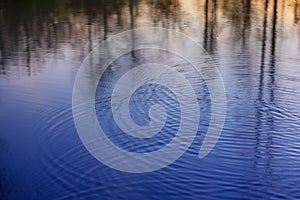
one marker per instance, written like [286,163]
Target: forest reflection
[255,44]
[33,30]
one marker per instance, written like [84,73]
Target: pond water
[256,46]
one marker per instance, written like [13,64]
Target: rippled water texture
[255,44]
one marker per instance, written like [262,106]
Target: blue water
[256,46]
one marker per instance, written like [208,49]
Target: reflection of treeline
[166,7]
[29,27]
[239,14]
[35,14]
[166,11]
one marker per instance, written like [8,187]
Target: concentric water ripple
[255,44]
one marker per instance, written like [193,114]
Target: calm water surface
[255,44]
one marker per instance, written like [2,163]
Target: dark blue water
[256,46]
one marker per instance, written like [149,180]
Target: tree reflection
[31,30]
[273,50]
[31,26]
[210,24]
[297,11]
[166,12]
[264,107]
